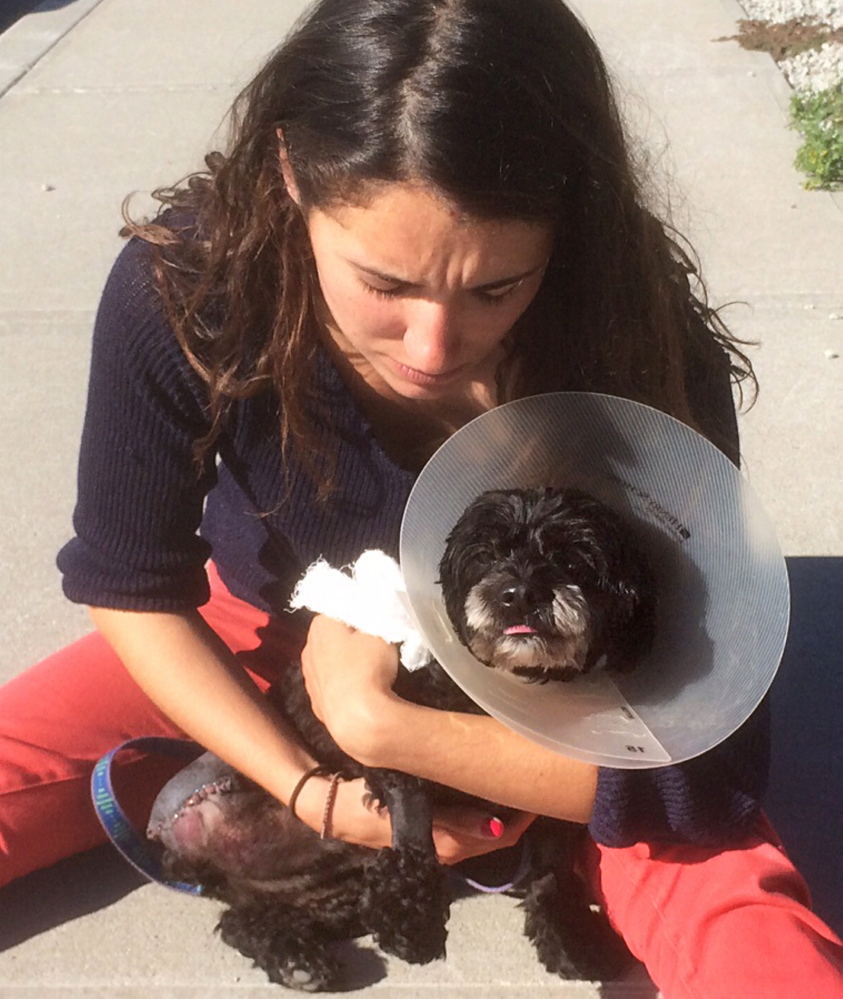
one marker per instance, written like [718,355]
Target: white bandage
[371,597]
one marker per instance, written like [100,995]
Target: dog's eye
[479,556]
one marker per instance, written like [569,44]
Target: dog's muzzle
[515,627]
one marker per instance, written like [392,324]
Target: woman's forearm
[189,673]
[479,755]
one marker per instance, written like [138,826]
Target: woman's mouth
[428,378]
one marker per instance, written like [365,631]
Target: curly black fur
[286,911]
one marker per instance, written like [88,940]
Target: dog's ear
[626,590]
[631,621]
[469,551]
[453,568]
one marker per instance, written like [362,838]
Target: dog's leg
[571,938]
[405,901]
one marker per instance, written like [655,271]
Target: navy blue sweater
[147,520]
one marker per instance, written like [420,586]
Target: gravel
[814,70]
[828,12]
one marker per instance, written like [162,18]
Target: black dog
[543,583]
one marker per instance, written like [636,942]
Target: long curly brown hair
[504,108]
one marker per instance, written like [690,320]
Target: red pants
[707,924]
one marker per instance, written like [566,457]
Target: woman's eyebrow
[488,286]
[386,278]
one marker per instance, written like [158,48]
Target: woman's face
[420,299]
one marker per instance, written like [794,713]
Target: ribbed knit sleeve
[712,799]
[140,495]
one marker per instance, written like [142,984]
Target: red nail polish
[496,828]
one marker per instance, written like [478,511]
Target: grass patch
[819,118]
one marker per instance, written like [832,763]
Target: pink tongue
[520,629]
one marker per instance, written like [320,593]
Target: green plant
[819,117]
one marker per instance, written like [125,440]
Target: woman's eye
[388,292]
[489,297]
[498,295]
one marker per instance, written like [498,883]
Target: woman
[427,209]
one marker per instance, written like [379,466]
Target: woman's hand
[349,677]
[458,833]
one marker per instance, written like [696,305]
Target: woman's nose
[431,340]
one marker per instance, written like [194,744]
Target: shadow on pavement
[97,879]
[14,10]
[805,800]
[63,892]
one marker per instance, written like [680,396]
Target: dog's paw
[295,960]
[406,905]
[293,975]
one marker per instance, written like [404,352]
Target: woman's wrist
[315,785]
[372,727]
[307,798]
[341,808]
[310,774]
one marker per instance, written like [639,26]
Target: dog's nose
[518,598]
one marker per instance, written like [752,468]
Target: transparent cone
[723,589]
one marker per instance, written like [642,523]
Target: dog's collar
[723,621]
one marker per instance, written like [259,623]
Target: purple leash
[521,872]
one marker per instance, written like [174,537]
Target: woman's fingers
[459,834]
[349,676]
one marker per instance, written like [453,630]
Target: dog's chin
[531,657]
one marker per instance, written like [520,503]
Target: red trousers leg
[59,717]
[719,924]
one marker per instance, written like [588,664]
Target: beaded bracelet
[329,801]
[329,805]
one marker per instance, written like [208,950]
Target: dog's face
[547,584]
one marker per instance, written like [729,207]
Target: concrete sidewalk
[101,98]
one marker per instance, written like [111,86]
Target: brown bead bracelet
[329,801]
[329,805]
